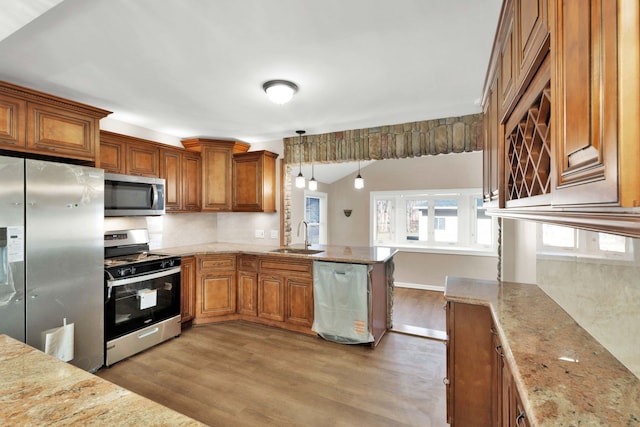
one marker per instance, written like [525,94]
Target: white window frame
[586,246]
[467,217]
[323,226]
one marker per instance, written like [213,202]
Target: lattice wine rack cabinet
[528,151]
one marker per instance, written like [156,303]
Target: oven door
[135,302]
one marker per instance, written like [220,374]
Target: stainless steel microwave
[129,195]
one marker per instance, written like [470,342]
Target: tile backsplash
[600,289]
[171,230]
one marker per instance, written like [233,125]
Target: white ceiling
[196,67]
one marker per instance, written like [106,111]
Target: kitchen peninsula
[274,285]
[38,389]
[531,362]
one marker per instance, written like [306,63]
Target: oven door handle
[129,280]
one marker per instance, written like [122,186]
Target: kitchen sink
[297,251]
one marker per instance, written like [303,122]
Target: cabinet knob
[521,417]
[446,381]
[499,350]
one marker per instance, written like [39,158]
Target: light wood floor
[243,374]
[419,312]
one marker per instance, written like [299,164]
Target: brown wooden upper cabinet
[254,181]
[129,155]
[12,122]
[522,42]
[182,173]
[491,149]
[592,141]
[35,122]
[217,179]
[520,47]
[566,127]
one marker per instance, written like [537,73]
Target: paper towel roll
[59,342]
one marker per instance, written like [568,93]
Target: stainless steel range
[142,295]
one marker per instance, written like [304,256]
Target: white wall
[113,125]
[519,251]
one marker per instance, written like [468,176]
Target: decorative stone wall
[415,139]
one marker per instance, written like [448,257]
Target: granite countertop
[351,254]
[38,389]
[565,377]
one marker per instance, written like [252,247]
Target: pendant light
[359,181]
[313,184]
[300,183]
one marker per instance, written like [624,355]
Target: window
[432,220]
[315,214]
[560,240]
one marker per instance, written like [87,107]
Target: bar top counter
[564,375]
[38,389]
[355,254]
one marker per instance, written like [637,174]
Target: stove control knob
[122,272]
[133,270]
[171,262]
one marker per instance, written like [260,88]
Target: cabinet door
[142,159]
[585,102]
[506,60]
[521,419]
[532,38]
[216,167]
[469,365]
[254,182]
[271,294]
[112,156]
[216,294]
[12,122]
[58,132]
[299,301]
[188,288]
[191,182]
[496,385]
[248,293]
[171,171]
[492,141]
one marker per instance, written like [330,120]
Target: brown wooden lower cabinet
[188,288]
[216,286]
[480,387]
[299,301]
[271,296]
[285,292]
[275,291]
[248,285]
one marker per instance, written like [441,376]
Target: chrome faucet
[306,233]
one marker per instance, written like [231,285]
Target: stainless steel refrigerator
[52,255]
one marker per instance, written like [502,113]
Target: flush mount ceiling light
[280,91]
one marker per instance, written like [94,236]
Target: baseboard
[419,286]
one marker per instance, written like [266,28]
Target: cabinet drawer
[216,263]
[289,265]
[248,263]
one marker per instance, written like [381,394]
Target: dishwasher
[341,302]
